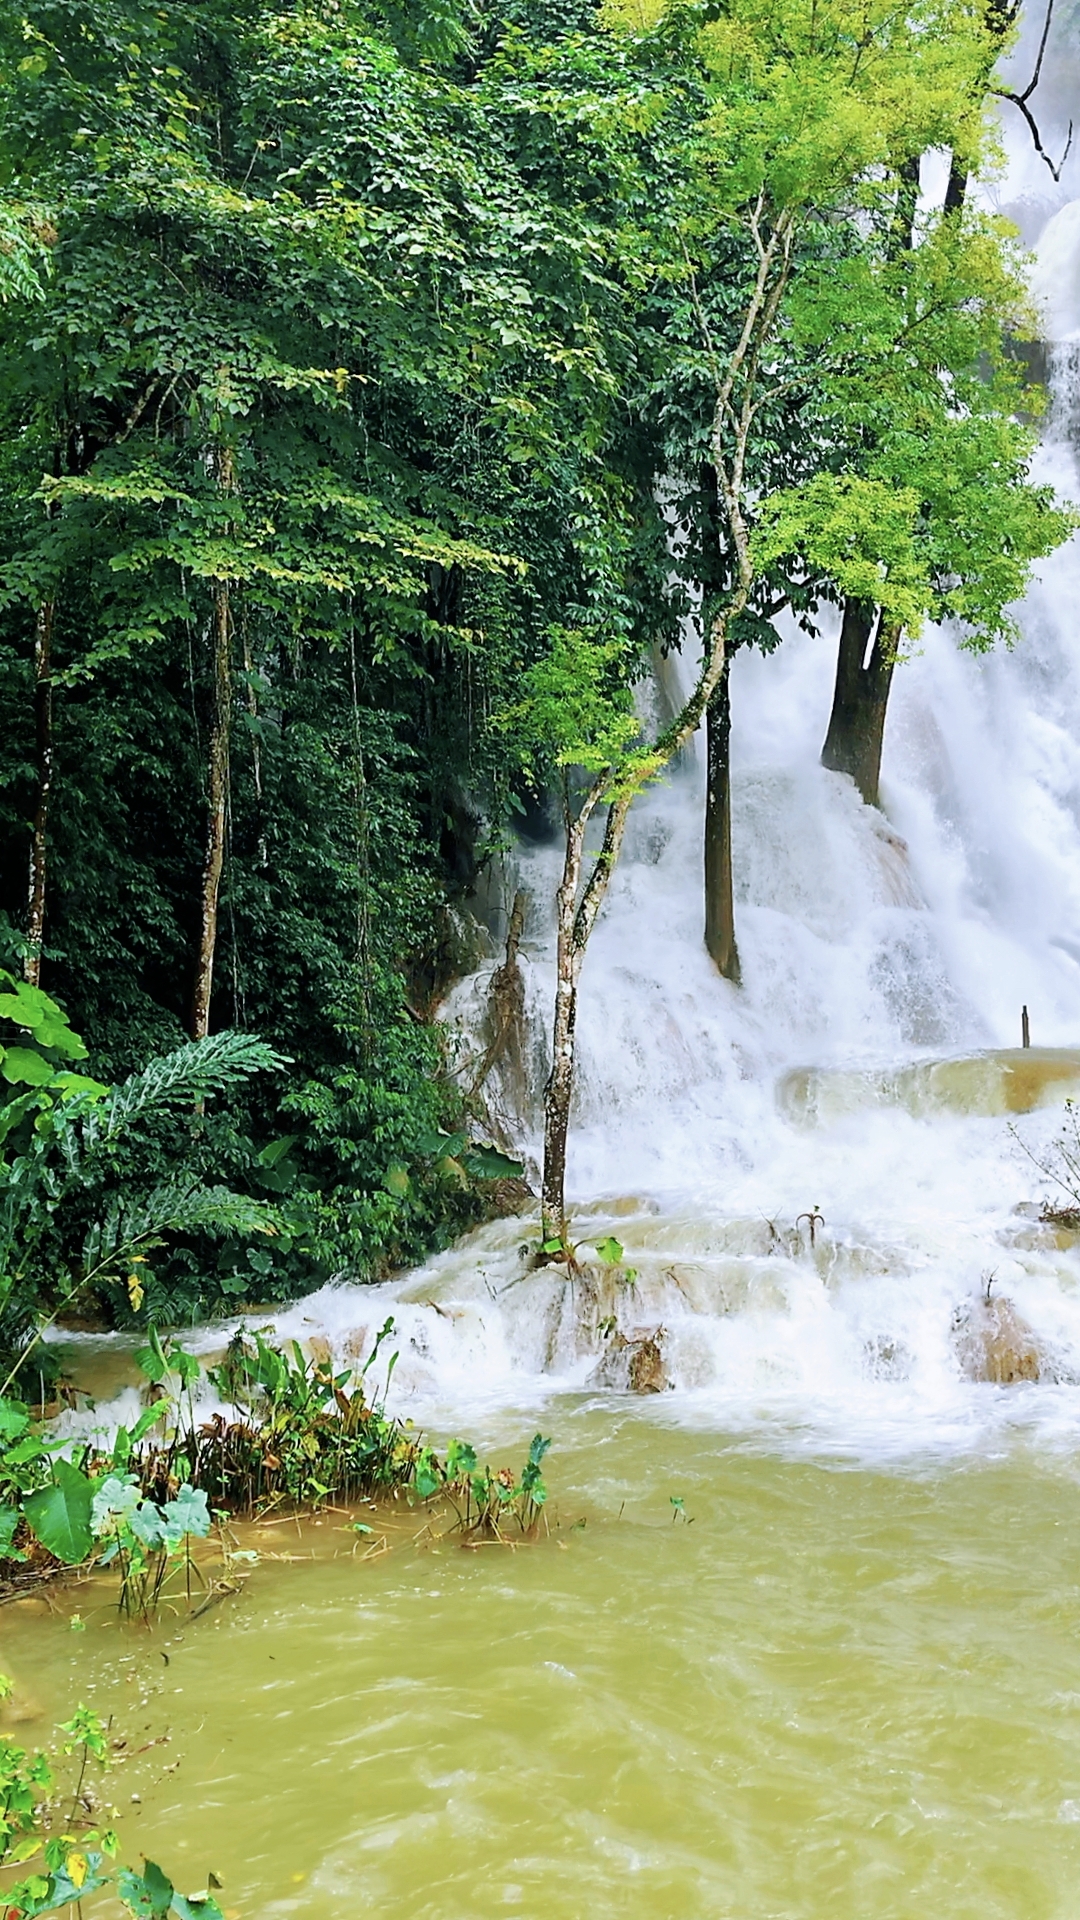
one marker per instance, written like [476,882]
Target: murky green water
[838,1692]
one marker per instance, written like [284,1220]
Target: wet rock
[995,1344]
[506,1197]
[647,1370]
[633,1363]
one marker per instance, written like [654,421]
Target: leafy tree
[816,118]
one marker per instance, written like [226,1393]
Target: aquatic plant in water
[76,1860]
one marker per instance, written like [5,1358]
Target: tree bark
[43,735]
[856,732]
[217,805]
[575,921]
[719,895]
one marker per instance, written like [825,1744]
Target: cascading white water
[710,1122]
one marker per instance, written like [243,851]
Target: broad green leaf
[460,1458]
[276,1150]
[9,1520]
[147,1419]
[14,1419]
[70,1084]
[152,1361]
[486,1163]
[610,1251]
[196,1906]
[27,1006]
[57,1035]
[64,1888]
[21,1066]
[147,1895]
[60,1514]
[189,1512]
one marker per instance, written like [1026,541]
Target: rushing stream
[843,1679]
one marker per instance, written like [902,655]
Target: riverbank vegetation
[283,1432]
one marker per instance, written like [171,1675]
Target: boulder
[995,1344]
[632,1364]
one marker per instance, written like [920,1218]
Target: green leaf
[147,1895]
[21,1066]
[27,1006]
[276,1150]
[14,1419]
[70,1084]
[196,1906]
[151,1360]
[9,1520]
[609,1251]
[189,1512]
[147,1419]
[460,1458]
[59,1515]
[486,1163]
[57,1035]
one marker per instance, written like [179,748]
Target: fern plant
[55,1172]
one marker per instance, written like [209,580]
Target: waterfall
[826,1200]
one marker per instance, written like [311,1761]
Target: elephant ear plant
[69,1221]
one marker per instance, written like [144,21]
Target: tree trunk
[217,804]
[575,921]
[560,1084]
[719,897]
[43,733]
[557,1095]
[857,722]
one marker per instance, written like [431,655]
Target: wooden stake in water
[1025,1028]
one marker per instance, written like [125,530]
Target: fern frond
[173,1208]
[181,1078]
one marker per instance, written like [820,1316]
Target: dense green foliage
[359,444]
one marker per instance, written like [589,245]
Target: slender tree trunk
[864,671]
[560,1085]
[557,1096]
[575,921]
[43,734]
[719,895]
[217,806]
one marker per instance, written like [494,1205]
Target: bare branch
[1034,81]
[1020,100]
